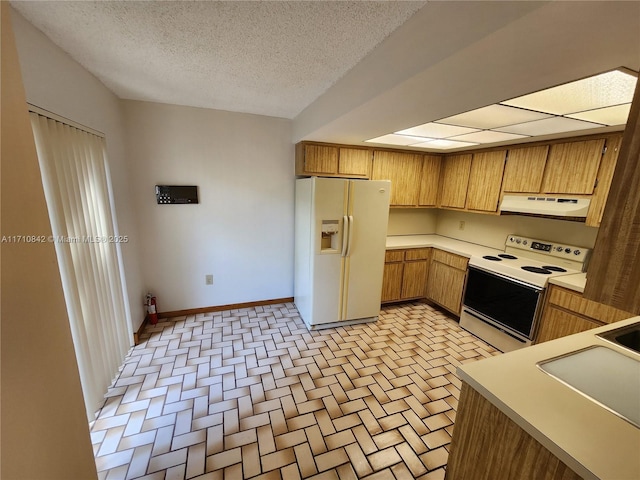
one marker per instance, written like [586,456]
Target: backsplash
[488,230]
[412,221]
[492,230]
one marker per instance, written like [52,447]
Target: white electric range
[504,292]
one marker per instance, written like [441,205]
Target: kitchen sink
[603,375]
[627,337]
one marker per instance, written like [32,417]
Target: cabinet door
[430,181]
[404,171]
[556,323]
[392,282]
[485,181]
[603,182]
[414,279]
[572,167]
[455,180]
[355,162]
[524,169]
[320,159]
[445,285]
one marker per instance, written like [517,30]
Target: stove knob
[577,252]
[567,250]
[524,242]
[559,249]
[518,241]
[511,239]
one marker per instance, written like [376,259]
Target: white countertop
[575,282]
[450,245]
[589,439]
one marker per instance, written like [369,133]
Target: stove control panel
[564,251]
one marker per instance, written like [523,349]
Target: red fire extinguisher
[152,312]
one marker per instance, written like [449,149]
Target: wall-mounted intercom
[173,194]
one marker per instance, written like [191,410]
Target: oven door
[503,300]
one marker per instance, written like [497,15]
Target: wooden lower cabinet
[566,312]
[405,274]
[447,274]
[488,445]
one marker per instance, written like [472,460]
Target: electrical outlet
[208,279]
[461,225]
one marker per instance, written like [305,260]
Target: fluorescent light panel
[436,130]
[604,90]
[594,102]
[493,116]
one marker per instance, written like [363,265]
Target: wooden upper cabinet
[320,159]
[332,161]
[524,169]
[485,180]
[354,162]
[603,183]
[430,181]
[404,170]
[454,181]
[573,167]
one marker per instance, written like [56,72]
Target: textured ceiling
[270,58]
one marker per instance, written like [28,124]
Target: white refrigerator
[340,238]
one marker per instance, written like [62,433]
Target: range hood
[547,205]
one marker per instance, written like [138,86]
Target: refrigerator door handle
[345,233]
[350,235]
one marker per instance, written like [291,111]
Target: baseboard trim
[137,333]
[220,308]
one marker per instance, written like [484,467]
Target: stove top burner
[553,268]
[543,271]
[492,258]
[507,256]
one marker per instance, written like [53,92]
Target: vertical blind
[76,180]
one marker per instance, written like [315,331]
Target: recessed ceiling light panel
[436,130]
[493,116]
[444,144]
[488,136]
[608,116]
[604,90]
[392,139]
[549,126]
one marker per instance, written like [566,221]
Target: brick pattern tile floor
[252,393]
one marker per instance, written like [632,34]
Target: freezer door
[329,203]
[368,211]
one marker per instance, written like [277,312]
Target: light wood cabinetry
[485,180]
[447,274]
[430,181]
[454,181]
[572,167]
[405,274]
[614,271]
[488,445]
[404,170]
[524,169]
[603,181]
[332,161]
[567,312]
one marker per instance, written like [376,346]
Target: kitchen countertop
[592,441]
[575,282]
[458,247]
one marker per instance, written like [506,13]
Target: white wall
[55,82]
[492,230]
[241,232]
[412,221]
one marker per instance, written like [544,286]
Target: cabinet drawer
[451,259]
[574,301]
[417,254]
[393,256]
